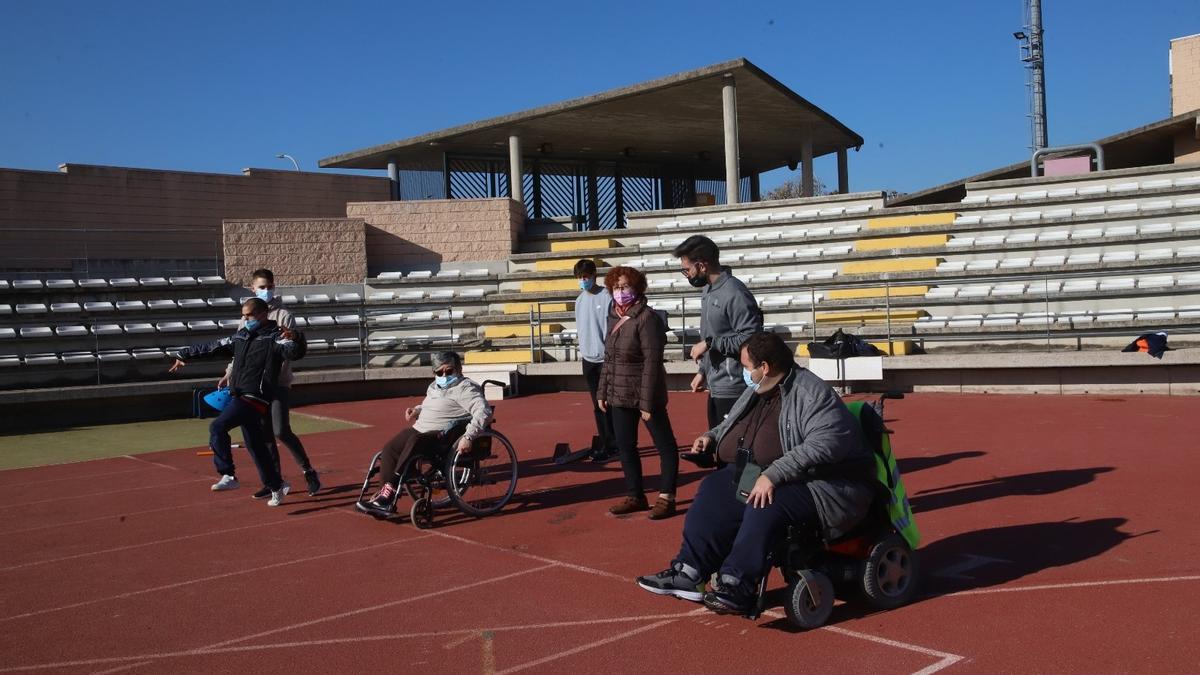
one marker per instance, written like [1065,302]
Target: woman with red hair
[633,386]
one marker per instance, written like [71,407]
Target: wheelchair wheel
[423,477]
[483,479]
[810,600]
[421,514]
[890,573]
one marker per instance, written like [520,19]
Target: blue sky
[934,87]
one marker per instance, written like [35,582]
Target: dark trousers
[281,428]
[625,426]
[402,446]
[718,408]
[721,534]
[239,413]
[604,423]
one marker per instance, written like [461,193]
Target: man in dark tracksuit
[259,350]
[729,315]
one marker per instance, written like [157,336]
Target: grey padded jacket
[815,429]
[729,315]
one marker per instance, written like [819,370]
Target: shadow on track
[1039,483]
[913,464]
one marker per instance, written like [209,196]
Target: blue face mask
[445,381]
[264,294]
[586,284]
[251,324]
[749,382]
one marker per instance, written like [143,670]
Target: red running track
[1059,536]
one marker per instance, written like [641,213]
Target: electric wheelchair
[874,562]
[478,482]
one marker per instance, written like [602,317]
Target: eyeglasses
[444,372]
[622,288]
[687,271]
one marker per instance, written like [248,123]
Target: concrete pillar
[806,167]
[729,108]
[755,188]
[843,172]
[514,169]
[394,179]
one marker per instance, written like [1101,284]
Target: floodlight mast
[1033,57]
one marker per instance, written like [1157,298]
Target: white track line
[584,647]
[142,659]
[946,661]
[89,476]
[101,494]
[530,556]
[146,461]
[73,523]
[214,577]
[156,542]
[119,669]
[1075,584]
[355,612]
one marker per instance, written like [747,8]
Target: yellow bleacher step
[583,244]
[547,307]
[913,220]
[869,316]
[890,265]
[473,358]
[899,348]
[878,292]
[915,241]
[518,330]
[544,285]
[565,265]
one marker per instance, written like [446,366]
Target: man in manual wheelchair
[796,459]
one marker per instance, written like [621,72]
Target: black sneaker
[672,581]
[382,505]
[605,456]
[314,483]
[727,598]
[262,493]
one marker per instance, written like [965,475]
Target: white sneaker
[277,496]
[285,488]
[226,483]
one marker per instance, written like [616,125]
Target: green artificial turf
[78,444]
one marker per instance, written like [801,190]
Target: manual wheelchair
[478,482]
[873,562]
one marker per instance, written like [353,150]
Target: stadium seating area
[1090,259]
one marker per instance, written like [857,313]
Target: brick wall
[298,251]
[1185,75]
[422,234]
[150,215]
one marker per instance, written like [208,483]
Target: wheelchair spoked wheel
[483,479]
[890,573]
[423,477]
[810,599]
[421,514]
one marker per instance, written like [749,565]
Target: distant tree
[794,187]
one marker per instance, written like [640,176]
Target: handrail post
[887,300]
[531,329]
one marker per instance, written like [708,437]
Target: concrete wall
[152,216]
[299,252]
[426,234]
[1185,74]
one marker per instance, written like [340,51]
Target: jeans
[721,534]
[239,413]
[281,428]
[625,425]
[604,423]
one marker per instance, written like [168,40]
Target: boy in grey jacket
[729,315]
[279,424]
[591,322]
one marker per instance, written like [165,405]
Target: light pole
[284,155]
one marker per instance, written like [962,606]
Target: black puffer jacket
[633,375]
[257,355]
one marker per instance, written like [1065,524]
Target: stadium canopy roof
[675,119]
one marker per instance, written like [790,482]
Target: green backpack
[887,472]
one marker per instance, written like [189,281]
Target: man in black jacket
[259,350]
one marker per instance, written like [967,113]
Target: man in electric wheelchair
[795,456]
[449,398]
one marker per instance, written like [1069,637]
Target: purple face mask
[624,297]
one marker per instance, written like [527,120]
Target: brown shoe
[663,508]
[628,505]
